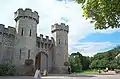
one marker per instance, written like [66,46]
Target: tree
[75,63]
[96,64]
[85,62]
[79,62]
[103,13]
[106,59]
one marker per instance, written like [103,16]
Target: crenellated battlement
[46,40]
[59,27]
[9,30]
[27,13]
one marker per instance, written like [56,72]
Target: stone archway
[41,61]
[37,61]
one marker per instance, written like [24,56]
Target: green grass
[90,72]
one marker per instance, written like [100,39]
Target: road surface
[66,77]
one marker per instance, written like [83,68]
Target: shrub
[6,69]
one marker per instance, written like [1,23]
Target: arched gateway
[41,61]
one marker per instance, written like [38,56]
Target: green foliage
[85,62]
[6,69]
[106,59]
[78,62]
[101,60]
[103,13]
[96,64]
[75,62]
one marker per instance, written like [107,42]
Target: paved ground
[66,77]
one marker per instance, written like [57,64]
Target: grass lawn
[90,72]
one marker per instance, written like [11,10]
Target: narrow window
[22,32]
[28,54]
[45,45]
[30,33]
[20,55]
[42,45]
[38,44]
[48,45]
[59,41]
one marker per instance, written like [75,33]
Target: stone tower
[60,35]
[26,28]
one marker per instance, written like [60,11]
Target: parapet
[9,30]
[59,27]
[45,40]
[26,13]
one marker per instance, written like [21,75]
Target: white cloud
[50,12]
[91,48]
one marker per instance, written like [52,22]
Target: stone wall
[7,39]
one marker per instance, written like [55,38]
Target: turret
[59,27]
[60,35]
[27,13]
[26,28]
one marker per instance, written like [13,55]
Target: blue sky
[100,37]
[82,36]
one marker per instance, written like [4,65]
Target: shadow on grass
[81,75]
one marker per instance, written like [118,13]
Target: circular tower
[60,35]
[26,28]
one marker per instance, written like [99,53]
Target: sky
[82,36]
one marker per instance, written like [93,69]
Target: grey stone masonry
[21,44]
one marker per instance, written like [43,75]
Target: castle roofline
[9,30]
[45,39]
[26,13]
[59,27]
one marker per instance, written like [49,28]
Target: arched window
[30,33]
[22,32]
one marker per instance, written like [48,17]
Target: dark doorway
[38,61]
[41,61]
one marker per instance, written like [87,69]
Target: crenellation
[63,24]
[56,24]
[36,16]
[11,30]
[28,9]
[26,13]
[45,40]
[2,26]
[6,31]
[59,27]
[47,37]
[18,14]
[41,35]
[52,40]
